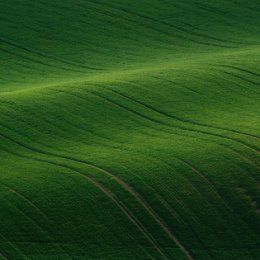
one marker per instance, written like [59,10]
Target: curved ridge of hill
[129,129]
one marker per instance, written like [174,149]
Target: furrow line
[109,194]
[124,185]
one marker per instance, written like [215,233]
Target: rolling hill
[129,130]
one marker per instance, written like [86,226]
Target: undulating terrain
[129,129]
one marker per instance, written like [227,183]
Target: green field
[129,129]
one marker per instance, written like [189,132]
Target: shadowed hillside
[129,130]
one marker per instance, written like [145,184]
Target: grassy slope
[129,129]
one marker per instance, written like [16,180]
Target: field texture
[129,129]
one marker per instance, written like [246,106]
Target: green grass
[129,130]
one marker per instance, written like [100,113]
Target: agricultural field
[129,130]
